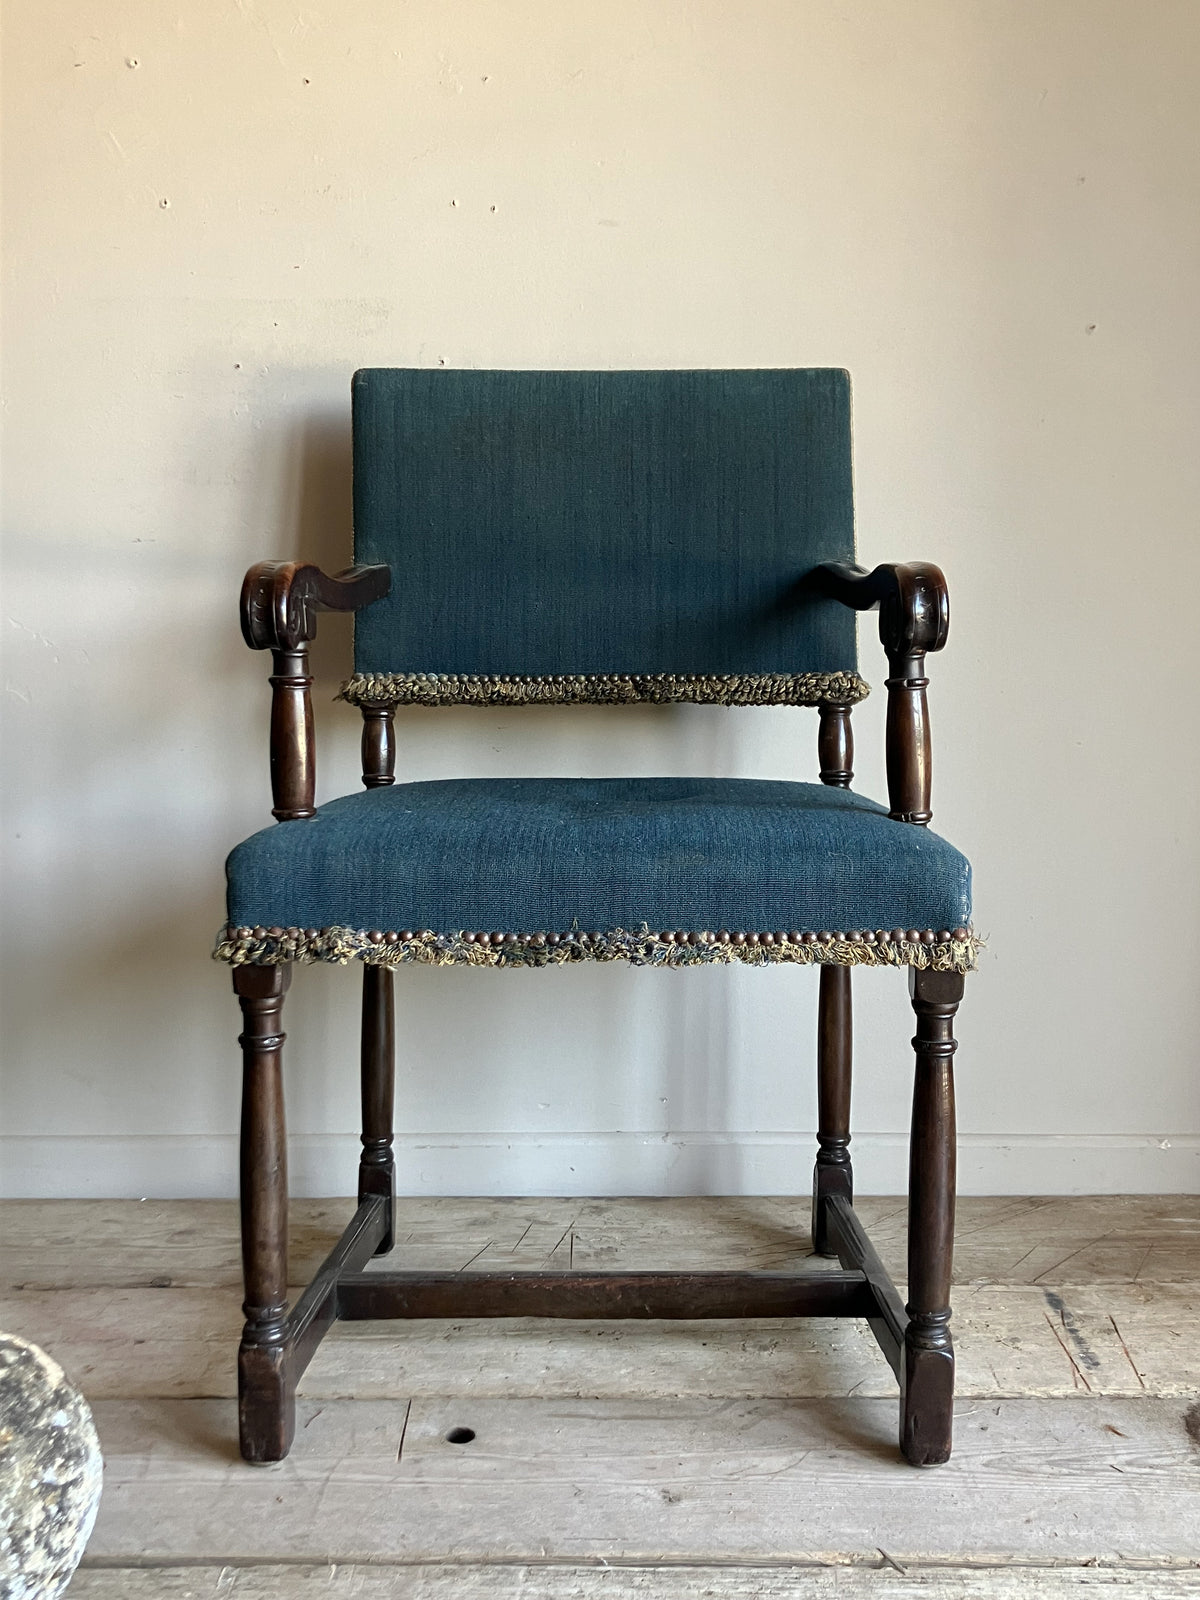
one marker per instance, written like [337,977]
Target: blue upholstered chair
[601,537]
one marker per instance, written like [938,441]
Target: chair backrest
[590,526]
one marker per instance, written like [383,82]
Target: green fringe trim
[944,951]
[609,688]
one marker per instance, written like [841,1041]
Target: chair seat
[625,866]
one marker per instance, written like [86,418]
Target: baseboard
[168,1166]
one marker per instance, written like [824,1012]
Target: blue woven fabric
[541,523]
[532,855]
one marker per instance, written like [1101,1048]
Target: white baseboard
[165,1166]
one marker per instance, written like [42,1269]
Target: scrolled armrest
[914,618]
[281,599]
[280,603]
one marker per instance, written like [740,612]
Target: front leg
[266,1386]
[927,1372]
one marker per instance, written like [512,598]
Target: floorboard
[679,1460]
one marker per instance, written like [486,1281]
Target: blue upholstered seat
[622,858]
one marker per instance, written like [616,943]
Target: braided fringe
[943,952]
[734,689]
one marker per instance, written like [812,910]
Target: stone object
[50,1471]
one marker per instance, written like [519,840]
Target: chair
[600,537]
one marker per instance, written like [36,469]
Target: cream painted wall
[215,211]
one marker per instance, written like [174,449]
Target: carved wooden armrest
[280,602]
[914,617]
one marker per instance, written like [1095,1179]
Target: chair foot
[927,1392]
[266,1403]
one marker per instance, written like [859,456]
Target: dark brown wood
[909,752]
[855,1251]
[293,750]
[378,747]
[674,1295]
[279,607]
[317,1308]
[835,745]
[266,1394]
[914,618]
[833,1173]
[377,1168]
[927,1376]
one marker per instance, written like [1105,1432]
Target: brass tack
[553,938]
[913,935]
[390,938]
[855,936]
[897,935]
[808,938]
[260,933]
[275,933]
[693,938]
[943,936]
[737,938]
[538,940]
[926,935]
[781,938]
[766,938]
[510,938]
[961,933]
[375,936]
[751,938]
[839,937]
[796,937]
[468,938]
[868,937]
[496,938]
[406,934]
[824,936]
[723,936]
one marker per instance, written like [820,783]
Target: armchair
[617,537]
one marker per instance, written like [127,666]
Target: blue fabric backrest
[541,523]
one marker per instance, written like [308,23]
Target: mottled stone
[49,1474]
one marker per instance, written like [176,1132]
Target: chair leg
[266,1387]
[377,1169]
[927,1381]
[833,1173]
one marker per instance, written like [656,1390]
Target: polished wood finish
[279,608]
[316,1311]
[266,1401]
[663,1295]
[927,1379]
[833,1173]
[835,745]
[377,1168]
[888,1318]
[293,746]
[914,618]
[378,747]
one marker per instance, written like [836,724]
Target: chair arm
[280,602]
[914,618]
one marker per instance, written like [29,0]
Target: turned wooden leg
[266,1389]
[377,1169]
[927,1373]
[833,1174]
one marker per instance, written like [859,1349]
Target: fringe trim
[734,689]
[944,951]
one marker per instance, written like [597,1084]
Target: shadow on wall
[137,857]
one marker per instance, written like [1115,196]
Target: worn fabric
[598,523]
[551,855]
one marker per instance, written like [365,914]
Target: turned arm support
[914,618]
[280,603]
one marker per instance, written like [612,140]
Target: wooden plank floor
[667,1459]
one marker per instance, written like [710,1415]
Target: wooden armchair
[615,537]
